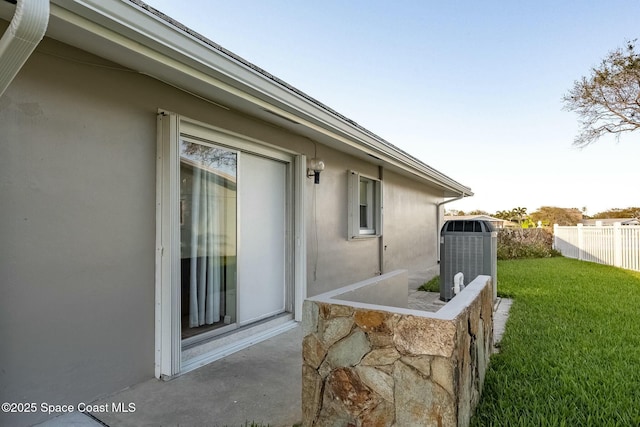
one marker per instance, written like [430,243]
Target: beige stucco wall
[411,230]
[77,184]
[335,261]
[77,180]
[409,235]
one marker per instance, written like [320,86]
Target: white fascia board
[124,23]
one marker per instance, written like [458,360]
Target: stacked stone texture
[379,368]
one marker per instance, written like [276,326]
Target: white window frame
[374,203]
[167,317]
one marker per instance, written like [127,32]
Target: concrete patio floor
[259,384]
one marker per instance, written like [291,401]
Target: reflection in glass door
[208,248]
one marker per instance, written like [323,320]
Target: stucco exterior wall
[410,227]
[409,234]
[77,252]
[77,180]
[333,260]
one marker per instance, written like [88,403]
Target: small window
[365,206]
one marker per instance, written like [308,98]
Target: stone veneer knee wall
[373,365]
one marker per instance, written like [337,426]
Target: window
[365,206]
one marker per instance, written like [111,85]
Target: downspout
[439,220]
[26,30]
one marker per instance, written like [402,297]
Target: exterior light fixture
[314,167]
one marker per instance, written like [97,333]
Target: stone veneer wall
[370,365]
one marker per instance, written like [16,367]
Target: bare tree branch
[608,101]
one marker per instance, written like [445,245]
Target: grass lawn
[570,355]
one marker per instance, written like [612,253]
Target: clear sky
[471,88]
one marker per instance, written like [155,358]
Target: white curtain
[205,268]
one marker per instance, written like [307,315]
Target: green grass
[570,355]
[432,285]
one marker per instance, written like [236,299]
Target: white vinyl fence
[617,245]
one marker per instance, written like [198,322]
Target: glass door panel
[208,212]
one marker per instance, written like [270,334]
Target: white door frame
[167,309]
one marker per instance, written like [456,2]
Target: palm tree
[519,214]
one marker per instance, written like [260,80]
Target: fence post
[580,242]
[555,236]
[617,244]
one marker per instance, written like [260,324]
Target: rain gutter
[26,30]
[439,220]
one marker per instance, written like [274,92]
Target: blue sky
[471,88]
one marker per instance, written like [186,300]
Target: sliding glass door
[230,262]
[233,228]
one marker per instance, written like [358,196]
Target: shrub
[525,243]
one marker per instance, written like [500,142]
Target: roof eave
[134,26]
